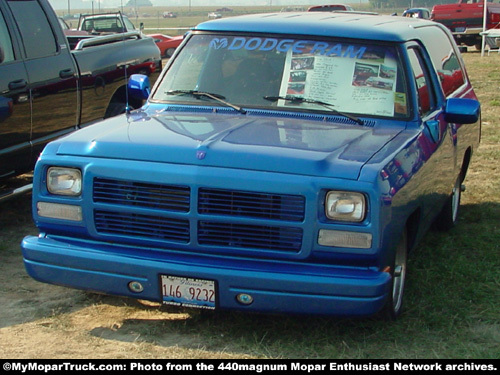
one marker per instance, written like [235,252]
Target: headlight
[345,206]
[64,181]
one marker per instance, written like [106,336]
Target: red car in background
[167,44]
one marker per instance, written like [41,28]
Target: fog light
[135,286]
[338,238]
[244,299]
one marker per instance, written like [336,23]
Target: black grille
[143,226]
[286,239]
[270,216]
[128,193]
[250,204]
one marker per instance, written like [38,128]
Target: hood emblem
[200,155]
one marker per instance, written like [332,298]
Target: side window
[444,58]
[6,51]
[424,91]
[38,38]
[129,24]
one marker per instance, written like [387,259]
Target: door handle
[66,73]
[18,84]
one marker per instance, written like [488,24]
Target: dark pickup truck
[47,89]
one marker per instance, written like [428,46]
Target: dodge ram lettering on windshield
[283,163]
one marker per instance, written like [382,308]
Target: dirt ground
[38,320]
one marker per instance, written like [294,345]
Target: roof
[341,24]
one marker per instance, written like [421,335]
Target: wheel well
[465,164]
[120,96]
[413,221]
[412,226]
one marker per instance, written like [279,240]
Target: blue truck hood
[253,142]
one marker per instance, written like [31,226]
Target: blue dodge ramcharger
[283,163]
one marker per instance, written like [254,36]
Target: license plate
[459,29]
[189,292]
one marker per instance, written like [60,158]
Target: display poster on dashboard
[363,85]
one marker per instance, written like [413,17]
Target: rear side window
[129,24]
[38,38]
[444,58]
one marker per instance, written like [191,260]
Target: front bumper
[276,286]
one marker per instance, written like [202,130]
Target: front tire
[115,109]
[394,305]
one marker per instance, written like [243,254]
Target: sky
[82,4]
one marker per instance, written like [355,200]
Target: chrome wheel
[448,216]
[455,201]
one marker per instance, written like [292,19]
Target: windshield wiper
[299,99]
[198,94]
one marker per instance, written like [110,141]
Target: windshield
[249,71]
